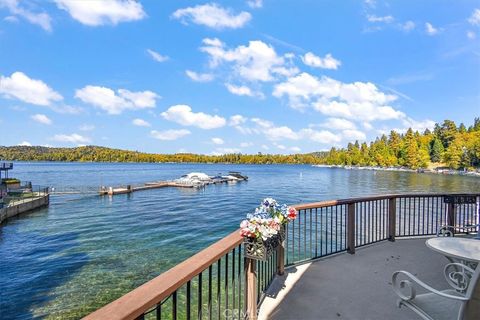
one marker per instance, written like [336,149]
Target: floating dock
[110,191]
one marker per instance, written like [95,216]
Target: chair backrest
[471,309]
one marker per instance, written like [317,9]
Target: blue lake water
[84,251]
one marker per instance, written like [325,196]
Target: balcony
[355,286]
[336,262]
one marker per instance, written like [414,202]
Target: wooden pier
[110,191]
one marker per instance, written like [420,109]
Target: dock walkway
[158,184]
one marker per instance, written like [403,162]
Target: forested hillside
[448,145]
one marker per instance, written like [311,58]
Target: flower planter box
[260,249]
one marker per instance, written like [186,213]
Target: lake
[84,251]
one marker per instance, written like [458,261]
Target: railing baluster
[239,279]
[226,282]
[210,272]
[188,297]
[174,305]
[233,280]
[351,229]
[199,300]
[305,236]
[316,232]
[158,311]
[219,280]
[310,232]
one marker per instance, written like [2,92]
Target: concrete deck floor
[354,287]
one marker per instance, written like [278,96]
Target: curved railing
[218,282]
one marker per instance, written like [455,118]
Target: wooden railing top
[141,299]
[329,203]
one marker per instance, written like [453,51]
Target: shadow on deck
[355,286]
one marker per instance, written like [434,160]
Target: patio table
[462,249]
[465,251]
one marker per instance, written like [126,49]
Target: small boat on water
[200,179]
[237,175]
[195,179]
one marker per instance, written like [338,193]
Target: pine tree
[436,150]
[411,150]
[447,132]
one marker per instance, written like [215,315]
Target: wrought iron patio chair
[462,302]
[449,231]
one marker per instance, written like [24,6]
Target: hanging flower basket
[260,249]
[264,230]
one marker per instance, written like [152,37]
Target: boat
[237,175]
[218,179]
[195,179]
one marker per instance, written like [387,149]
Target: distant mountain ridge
[447,145]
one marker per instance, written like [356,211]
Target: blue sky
[270,76]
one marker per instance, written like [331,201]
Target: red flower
[292,213]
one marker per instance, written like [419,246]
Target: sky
[271,76]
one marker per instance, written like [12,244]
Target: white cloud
[338,124]
[419,126]
[222,151]
[87,127]
[218,141]
[41,118]
[157,56]
[471,35]
[295,149]
[199,77]
[475,17]
[321,136]
[96,13]
[255,4]
[12,19]
[384,19]
[183,115]
[351,135]
[243,91]
[280,146]
[358,100]
[430,29]
[280,133]
[169,134]
[237,120]
[72,138]
[25,144]
[66,109]
[140,123]
[41,19]
[370,3]
[212,15]
[246,144]
[256,62]
[329,62]
[408,26]
[367,125]
[21,87]
[115,103]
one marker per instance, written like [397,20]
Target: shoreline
[403,169]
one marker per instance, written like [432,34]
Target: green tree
[411,150]
[447,132]
[436,150]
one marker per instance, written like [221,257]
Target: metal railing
[6,165]
[26,193]
[219,283]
